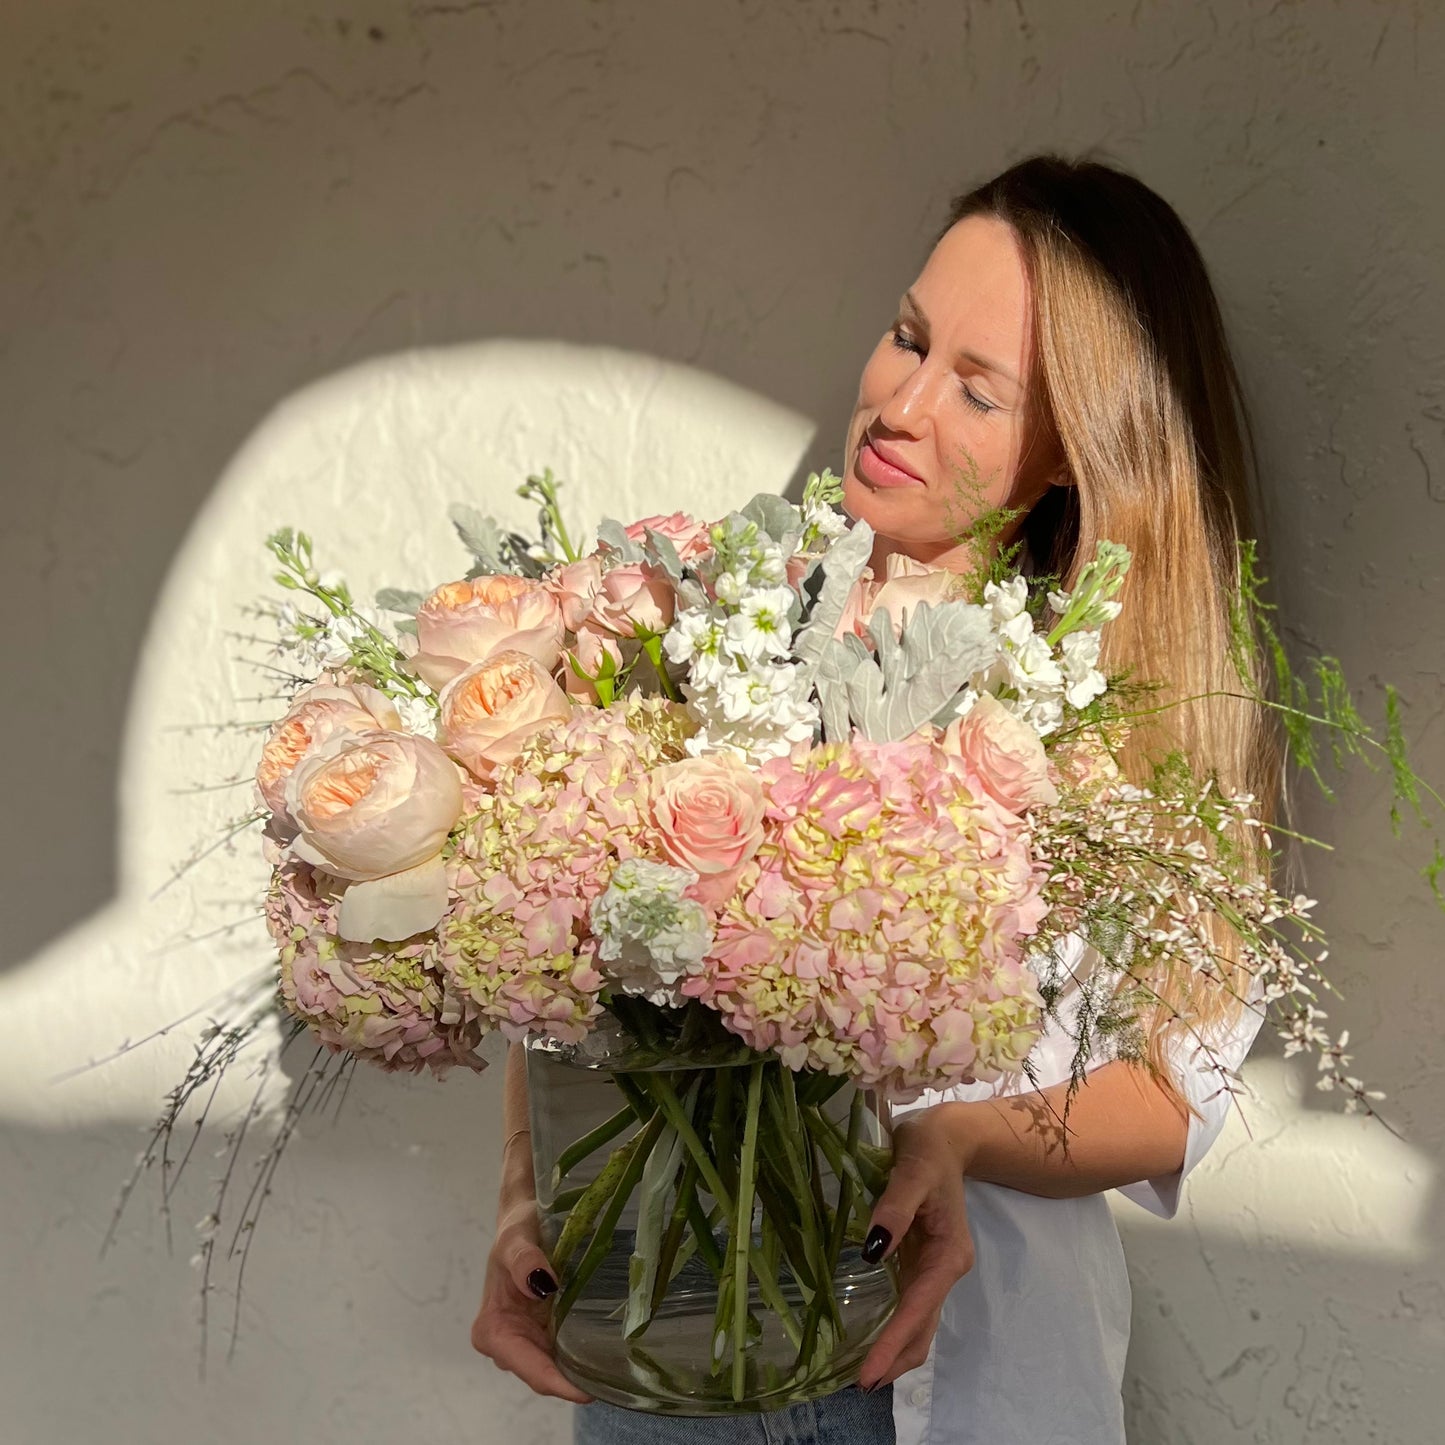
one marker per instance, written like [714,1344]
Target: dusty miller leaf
[911,679]
[665,554]
[611,533]
[482,537]
[839,660]
[777,517]
[842,566]
[397,599]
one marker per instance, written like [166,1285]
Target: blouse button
[919,1395]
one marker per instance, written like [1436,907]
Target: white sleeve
[1203,1077]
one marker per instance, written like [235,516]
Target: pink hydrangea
[389,1005]
[516,946]
[879,929]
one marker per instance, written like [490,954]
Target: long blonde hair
[1135,385]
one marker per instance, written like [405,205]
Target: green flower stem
[652,646]
[866,1176]
[743,1228]
[641,1146]
[594,1196]
[812,1221]
[671,1256]
[579,1149]
[669,1104]
[703,1223]
[724,1141]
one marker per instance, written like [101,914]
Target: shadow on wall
[372,1247]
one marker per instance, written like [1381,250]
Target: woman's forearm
[517,1181]
[1122,1127]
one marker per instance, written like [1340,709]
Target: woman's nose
[909,409]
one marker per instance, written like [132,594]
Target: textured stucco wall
[255,261]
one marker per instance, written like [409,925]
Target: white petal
[396,906]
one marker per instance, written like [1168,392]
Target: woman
[1060,353]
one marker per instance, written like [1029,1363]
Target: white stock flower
[1083,680]
[760,627]
[650,937]
[698,638]
[1032,665]
[418,715]
[1007,600]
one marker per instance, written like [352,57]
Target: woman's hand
[923,1217]
[511,1325]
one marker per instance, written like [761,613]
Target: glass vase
[704,1208]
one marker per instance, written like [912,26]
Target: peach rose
[688,535]
[462,623]
[709,811]
[574,585]
[634,595]
[906,583]
[374,808]
[315,714]
[488,711]
[1003,753]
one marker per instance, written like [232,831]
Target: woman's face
[941,430]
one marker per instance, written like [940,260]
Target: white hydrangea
[650,937]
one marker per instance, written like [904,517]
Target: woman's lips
[878,470]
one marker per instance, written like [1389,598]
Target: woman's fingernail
[877,1241]
[541,1283]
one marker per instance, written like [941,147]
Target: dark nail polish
[541,1283]
[877,1241]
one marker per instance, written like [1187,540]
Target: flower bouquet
[745,843]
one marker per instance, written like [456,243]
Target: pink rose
[709,811]
[1003,754]
[574,585]
[592,647]
[315,714]
[461,623]
[688,535]
[906,583]
[634,595]
[375,808]
[488,711]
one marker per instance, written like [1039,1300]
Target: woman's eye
[902,342]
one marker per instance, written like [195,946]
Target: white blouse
[1031,1342]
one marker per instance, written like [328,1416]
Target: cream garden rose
[465,622]
[905,584]
[375,808]
[316,714]
[1003,753]
[709,813]
[489,710]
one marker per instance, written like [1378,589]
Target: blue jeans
[846,1417]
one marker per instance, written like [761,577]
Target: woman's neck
[947,556]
